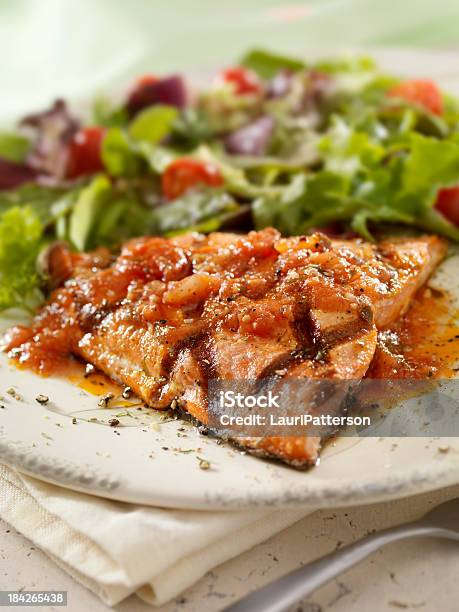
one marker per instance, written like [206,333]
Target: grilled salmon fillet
[168,315]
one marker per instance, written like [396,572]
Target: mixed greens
[273,141]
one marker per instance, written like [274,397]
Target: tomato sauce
[167,284]
[424,343]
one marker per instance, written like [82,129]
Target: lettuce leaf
[124,157]
[153,124]
[268,63]
[106,114]
[120,156]
[194,210]
[21,239]
[104,216]
[86,211]
[41,200]
[13,147]
[358,186]
[191,128]
[309,201]
[431,164]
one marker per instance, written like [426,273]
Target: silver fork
[441,522]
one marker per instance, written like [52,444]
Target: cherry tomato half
[184,173]
[448,203]
[243,80]
[424,93]
[85,152]
[145,80]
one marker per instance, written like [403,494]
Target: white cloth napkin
[116,549]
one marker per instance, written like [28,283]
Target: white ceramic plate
[152,462]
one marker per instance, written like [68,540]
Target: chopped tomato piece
[448,203]
[184,173]
[146,79]
[243,80]
[85,152]
[424,93]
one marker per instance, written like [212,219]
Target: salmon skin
[168,315]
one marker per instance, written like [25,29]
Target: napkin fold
[116,549]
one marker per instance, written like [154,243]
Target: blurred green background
[73,47]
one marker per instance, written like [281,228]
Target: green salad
[273,141]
